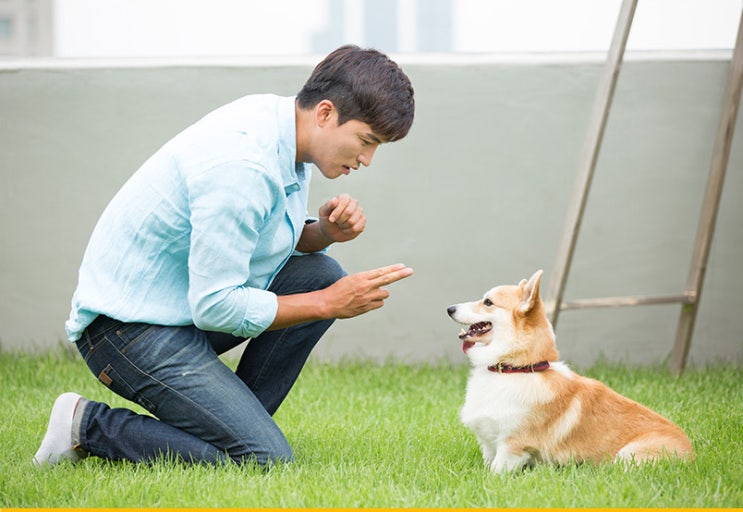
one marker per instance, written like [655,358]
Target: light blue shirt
[198,233]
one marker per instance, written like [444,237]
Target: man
[209,244]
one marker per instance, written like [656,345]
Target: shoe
[58,444]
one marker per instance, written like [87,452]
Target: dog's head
[508,325]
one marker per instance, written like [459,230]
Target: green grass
[378,436]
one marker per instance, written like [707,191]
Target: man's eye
[488,302]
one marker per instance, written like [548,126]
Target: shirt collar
[292,172]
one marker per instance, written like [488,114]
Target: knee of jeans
[265,446]
[267,458]
[332,270]
[320,271]
[280,457]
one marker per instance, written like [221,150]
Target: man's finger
[390,274]
[343,210]
[327,208]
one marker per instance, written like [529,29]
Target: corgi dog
[525,406]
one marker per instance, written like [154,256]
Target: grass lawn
[378,436]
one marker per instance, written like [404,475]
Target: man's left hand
[341,219]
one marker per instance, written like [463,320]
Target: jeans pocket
[113,380]
[94,337]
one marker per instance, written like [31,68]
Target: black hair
[366,85]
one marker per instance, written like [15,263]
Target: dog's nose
[451,310]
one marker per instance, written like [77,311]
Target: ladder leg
[705,231]
[588,159]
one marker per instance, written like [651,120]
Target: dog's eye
[488,302]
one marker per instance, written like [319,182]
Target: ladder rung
[630,300]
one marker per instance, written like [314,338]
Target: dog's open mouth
[474,331]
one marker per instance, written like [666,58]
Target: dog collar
[507,368]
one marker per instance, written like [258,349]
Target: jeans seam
[266,361]
[279,341]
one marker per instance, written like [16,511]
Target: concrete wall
[474,197]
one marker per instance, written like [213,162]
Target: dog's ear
[529,293]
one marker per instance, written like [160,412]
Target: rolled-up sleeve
[232,206]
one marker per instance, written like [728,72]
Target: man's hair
[364,85]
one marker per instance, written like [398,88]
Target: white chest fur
[496,404]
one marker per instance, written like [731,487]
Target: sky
[161,28]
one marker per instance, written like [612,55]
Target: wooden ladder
[691,296]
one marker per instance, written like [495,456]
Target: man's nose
[366,157]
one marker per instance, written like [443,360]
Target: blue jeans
[203,411]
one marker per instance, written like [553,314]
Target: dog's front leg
[506,461]
[488,452]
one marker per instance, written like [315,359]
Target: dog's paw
[509,462]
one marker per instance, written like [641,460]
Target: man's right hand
[350,296]
[359,293]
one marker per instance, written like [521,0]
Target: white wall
[475,196]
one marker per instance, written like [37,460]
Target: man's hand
[341,219]
[350,296]
[359,293]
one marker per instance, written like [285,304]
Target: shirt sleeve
[230,204]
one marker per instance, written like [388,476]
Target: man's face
[345,147]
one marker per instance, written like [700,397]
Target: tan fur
[554,416]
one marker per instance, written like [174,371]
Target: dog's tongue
[466,345]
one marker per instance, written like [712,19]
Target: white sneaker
[58,443]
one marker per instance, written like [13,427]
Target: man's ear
[324,112]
